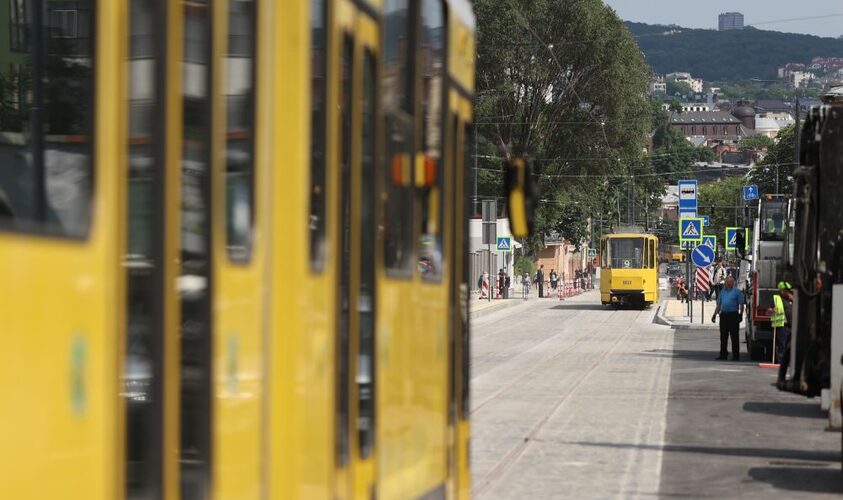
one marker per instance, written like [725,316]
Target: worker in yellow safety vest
[781,313]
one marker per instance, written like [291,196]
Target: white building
[801,79]
[769,124]
[690,107]
[505,260]
[658,85]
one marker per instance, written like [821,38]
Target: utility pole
[474,200]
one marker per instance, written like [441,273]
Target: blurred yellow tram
[232,255]
[629,273]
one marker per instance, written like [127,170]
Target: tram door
[356,45]
[61,217]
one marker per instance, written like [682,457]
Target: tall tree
[777,167]
[563,84]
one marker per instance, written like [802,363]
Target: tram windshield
[773,220]
[626,253]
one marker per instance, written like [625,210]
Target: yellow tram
[232,249]
[629,273]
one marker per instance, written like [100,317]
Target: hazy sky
[703,14]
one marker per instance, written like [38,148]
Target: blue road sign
[688,195]
[750,192]
[687,214]
[731,238]
[690,229]
[703,256]
[710,241]
[706,220]
[504,244]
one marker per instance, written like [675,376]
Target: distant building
[708,127]
[770,124]
[801,79]
[730,21]
[689,107]
[658,85]
[695,83]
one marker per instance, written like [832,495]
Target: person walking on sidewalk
[525,286]
[718,279]
[540,280]
[730,304]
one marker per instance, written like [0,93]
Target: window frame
[318,257]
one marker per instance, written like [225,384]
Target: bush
[524,265]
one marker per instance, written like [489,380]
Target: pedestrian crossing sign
[504,244]
[731,238]
[710,241]
[691,229]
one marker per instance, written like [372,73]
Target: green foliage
[564,85]
[678,88]
[757,142]
[752,53]
[524,264]
[750,90]
[672,153]
[780,159]
[725,194]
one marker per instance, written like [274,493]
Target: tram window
[194,282]
[651,250]
[318,133]
[626,253]
[46,128]
[345,251]
[397,197]
[432,42]
[143,370]
[366,298]
[240,126]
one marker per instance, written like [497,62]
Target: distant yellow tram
[629,273]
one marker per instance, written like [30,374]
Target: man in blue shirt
[730,304]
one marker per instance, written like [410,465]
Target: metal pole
[475,200]
[489,247]
[36,125]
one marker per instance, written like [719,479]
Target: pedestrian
[681,289]
[730,305]
[501,283]
[506,285]
[554,279]
[780,316]
[718,278]
[540,280]
[577,278]
[525,286]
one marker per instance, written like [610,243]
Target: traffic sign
[592,252]
[732,238]
[504,244]
[687,195]
[687,214]
[691,229]
[702,280]
[750,192]
[710,241]
[703,256]
[706,220]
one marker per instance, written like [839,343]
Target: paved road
[572,400]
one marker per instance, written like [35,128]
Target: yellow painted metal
[461,51]
[172,245]
[238,298]
[63,322]
[302,303]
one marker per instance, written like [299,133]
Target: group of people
[718,281]
[504,282]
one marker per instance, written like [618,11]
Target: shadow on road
[803,479]
[779,409]
[689,355]
[581,307]
[766,453]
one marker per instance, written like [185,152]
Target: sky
[703,14]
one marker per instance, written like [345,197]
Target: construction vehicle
[814,364]
[766,270]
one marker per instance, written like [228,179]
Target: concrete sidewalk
[674,313]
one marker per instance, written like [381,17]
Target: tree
[777,167]
[756,142]
[724,195]
[678,88]
[564,85]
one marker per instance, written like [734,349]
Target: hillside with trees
[731,56]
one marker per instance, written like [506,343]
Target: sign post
[490,227]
